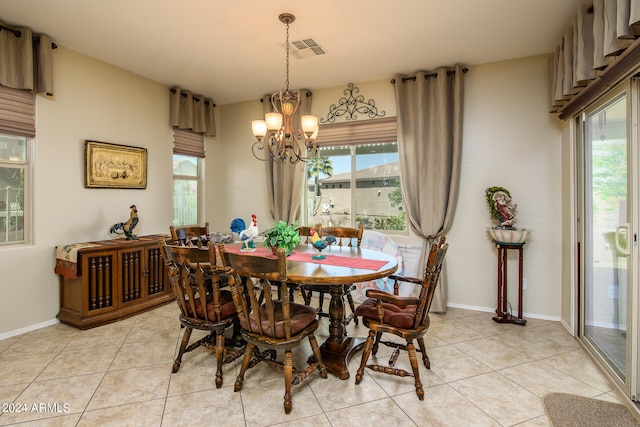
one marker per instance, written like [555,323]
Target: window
[188,157]
[357,183]
[186,184]
[14,184]
[17,130]
[370,196]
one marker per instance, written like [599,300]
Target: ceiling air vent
[305,48]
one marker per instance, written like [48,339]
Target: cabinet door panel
[157,280]
[99,281]
[131,274]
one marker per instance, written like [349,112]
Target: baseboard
[29,328]
[493,310]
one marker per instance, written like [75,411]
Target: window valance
[594,53]
[194,112]
[26,59]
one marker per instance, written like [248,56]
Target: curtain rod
[195,97]
[18,33]
[309,93]
[426,76]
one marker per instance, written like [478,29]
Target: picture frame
[114,166]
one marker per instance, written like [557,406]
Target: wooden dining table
[342,266]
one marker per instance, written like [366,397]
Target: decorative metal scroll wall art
[351,105]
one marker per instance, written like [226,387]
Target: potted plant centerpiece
[282,235]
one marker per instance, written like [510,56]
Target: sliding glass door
[607,233]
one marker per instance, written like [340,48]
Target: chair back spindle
[183,235]
[432,270]
[345,235]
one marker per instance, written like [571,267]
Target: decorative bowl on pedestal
[509,235]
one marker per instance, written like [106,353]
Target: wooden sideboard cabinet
[114,279]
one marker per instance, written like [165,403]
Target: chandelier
[276,134]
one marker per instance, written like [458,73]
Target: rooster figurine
[320,243]
[248,235]
[126,227]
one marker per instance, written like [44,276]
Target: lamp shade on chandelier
[278,139]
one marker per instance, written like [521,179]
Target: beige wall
[235,167]
[94,101]
[509,140]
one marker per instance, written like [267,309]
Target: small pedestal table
[502,314]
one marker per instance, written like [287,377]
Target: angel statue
[501,206]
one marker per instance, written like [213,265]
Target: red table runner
[337,260]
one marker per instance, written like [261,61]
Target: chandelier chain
[287,48]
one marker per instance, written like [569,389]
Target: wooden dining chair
[405,317]
[274,325]
[345,236]
[305,232]
[305,238]
[203,304]
[184,235]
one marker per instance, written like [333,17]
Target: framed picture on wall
[114,166]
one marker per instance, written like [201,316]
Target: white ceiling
[230,50]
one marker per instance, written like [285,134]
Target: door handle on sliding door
[622,231]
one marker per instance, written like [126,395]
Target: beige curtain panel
[284,180]
[634,16]
[556,70]
[616,27]
[430,148]
[193,112]
[568,87]
[583,58]
[600,32]
[25,59]
[599,58]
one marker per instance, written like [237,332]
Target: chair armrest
[396,279]
[392,299]
[405,279]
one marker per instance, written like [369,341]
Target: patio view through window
[350,186]
[13,168]
[186,181]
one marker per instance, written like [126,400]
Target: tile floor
[483,374]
